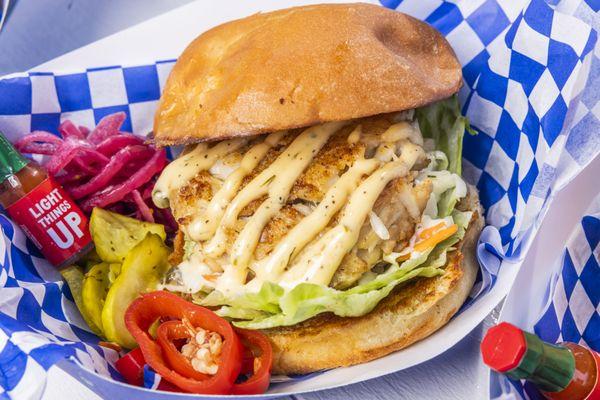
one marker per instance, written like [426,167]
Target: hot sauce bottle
[565,371]
[42,208]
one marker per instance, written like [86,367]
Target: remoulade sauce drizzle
[309,252]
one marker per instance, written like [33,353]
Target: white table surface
[41,30]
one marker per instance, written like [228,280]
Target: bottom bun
[409,314]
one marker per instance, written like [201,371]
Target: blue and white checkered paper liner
[573,310]
[526,64]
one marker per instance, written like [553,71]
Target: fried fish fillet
[336,156]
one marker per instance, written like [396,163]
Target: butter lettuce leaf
[241,313]
[307,300]
[274,306]
[265,300]
[443,122]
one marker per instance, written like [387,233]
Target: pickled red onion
[111,145]
[116,163]
[84,166]
[147,191]
[108,126]
[46,149]
[103,167]
[70,177]
[145,211]
[39,136]
[167,219]
[114,193]
[85,131]
[68,129]
[69,149]
[38,142]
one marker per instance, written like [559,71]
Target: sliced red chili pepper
[166,333]
[247,362]
[147,308]
[168,386]
[131,366]
[170,331]
[259,381]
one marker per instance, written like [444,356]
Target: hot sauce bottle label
[53,222]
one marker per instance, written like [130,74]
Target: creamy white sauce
[182,170]
[192,274]
[402,131]
[309,252]
[386,152]
[320,260]
[276,181]
[310,141]
[294,242]
[204,225]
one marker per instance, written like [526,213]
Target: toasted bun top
[303,66]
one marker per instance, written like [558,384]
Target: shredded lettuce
[447,202]
[448,189]
[274,306]
[443,122]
